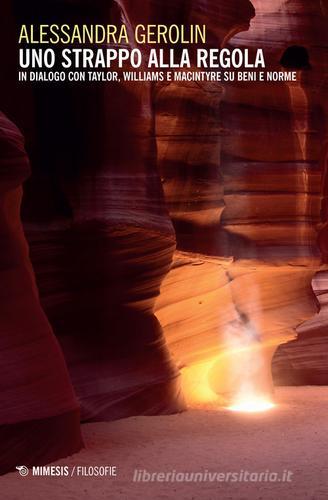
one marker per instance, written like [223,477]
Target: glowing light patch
[254,405]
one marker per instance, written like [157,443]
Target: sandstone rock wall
[37,399]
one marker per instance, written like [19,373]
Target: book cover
[163,249]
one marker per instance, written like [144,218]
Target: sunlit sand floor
[292,436]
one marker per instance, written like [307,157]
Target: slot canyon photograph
[164,262]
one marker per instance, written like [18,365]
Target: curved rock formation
[300,43]
[39,415]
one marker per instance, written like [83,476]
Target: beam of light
[253,393]
[242,373]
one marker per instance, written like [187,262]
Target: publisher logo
[23,470]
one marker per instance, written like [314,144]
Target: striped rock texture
[101,260]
